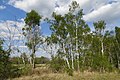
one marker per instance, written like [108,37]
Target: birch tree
[32,33]
[66,29]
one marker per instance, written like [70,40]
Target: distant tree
[42,60]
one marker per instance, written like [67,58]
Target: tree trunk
[76,37]
[30,60]
[72,54]
[33,63]
[67,62]
[102,50]
[66,56]
[33,57]
[78,62]
[23,61]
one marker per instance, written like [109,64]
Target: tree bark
[102,50]
[33,57]
[23,60]
[76,41]
[72,55]
[66,56]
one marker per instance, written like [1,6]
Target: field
[77,76]
[42,73]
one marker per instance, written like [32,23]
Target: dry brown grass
[46,74]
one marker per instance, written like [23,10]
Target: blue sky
[10,12]
[13,12]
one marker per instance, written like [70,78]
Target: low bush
[57,64]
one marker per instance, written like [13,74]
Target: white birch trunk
[66,57]
[77,45]
[102,45]
[102,50]
[30,60]
[72,54]
[23,60]
[72,61]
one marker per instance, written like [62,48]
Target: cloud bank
[94,10]
[11,29]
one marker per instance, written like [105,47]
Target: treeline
[25,60]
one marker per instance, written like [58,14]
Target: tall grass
[43,73]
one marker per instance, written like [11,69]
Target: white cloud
[2,7]
[11,32]
[11,29]
[43,7]
[22,46]
[94,10]
[108,12]
[62,6]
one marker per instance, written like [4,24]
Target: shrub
[26,70]
[69,71]
[57,64]
[7,70]
[5,65]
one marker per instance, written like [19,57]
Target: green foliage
[32,33]
[32,18]
[117,30]
[81,48]
[57,64]
[15,72]
[99,26]
[26,70]
[16,60]
[100,63]
[5,64]
[31,30]
[69,71]
[7,69]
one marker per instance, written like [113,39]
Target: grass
[42,73]
[80,76]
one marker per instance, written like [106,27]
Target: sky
[13,12]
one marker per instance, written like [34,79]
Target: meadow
[44,73]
